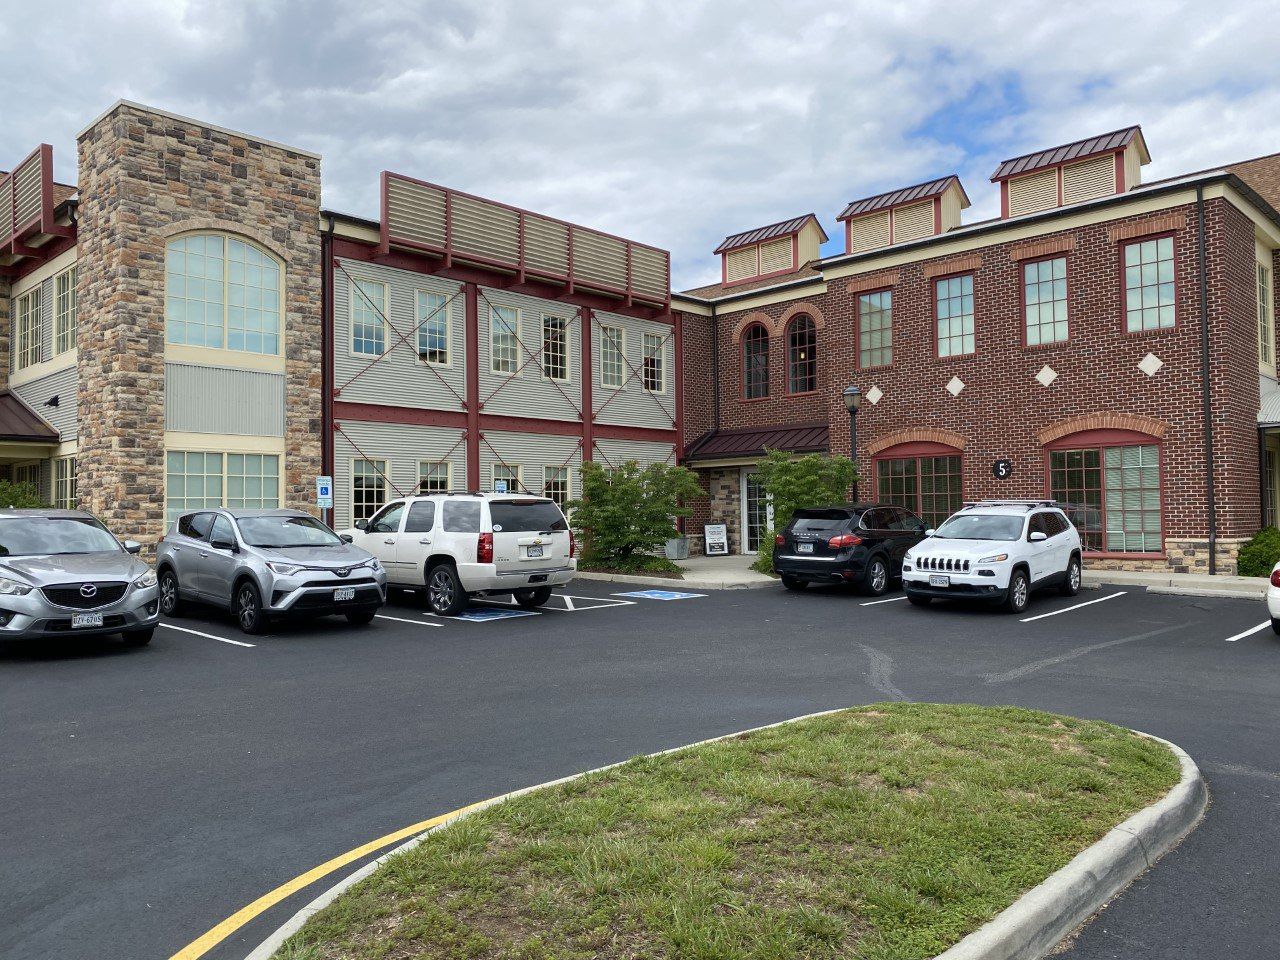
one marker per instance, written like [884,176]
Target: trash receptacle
[678,548]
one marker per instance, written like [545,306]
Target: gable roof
[19,422]
[1103,143]
[895,198]
[784,228]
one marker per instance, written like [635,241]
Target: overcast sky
[671,123]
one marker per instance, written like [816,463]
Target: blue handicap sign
[660,595]
[484,614]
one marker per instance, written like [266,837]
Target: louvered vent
[741,264]
[913,221]
[1035,191]
[775,255]
[866,233]
[1089,179]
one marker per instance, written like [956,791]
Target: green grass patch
[883,833]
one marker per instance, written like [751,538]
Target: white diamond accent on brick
[874,395]
[1047,375]
[955,386]
[1150,364]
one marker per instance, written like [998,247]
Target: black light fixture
[852,402]
[52,401]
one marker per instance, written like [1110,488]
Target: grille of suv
[950,564]
[69,595]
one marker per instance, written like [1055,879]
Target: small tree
[814,480]
[23,496]
[625,515]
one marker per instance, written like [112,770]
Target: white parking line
[1087,603]
[872,603]
[209,636]
[420,623]
[1250,632]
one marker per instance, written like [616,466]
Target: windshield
[526,516]
[286,532]
[45,536]
[969,526]
[818,521]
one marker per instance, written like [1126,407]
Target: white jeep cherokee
[995,550]
[456,545]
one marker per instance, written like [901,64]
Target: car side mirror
[362,524]
[930,532]
[132,546]
[221,544]
[345,537]
[1038,536]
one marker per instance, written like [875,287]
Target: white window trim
[1266,308]
[493,475]
[383,470]
[568,484]
[662,363]
[622,348]
[71,480]
[352,294]
[37,331]
[568,348]
[493,326]
[224,453]
[58,315]
[447,313]
[448,472]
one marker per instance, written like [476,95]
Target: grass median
[885,832]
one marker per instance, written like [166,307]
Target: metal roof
[19,422]
[1103,143]
[895,198]
[783,229]
[753,441]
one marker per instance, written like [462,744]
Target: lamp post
[852,401]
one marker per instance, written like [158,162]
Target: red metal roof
[784,229]
[20,422]
[1104,143]
[754,441]
[895,198]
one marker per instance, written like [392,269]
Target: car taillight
[573,545]
[1275,578]
[779,540]
[843,540]
[484,548]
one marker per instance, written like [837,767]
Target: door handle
[424,542]
[388,541]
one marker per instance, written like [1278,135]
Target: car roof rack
[1026,504]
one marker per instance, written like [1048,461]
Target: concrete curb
[670,583]
[1026,930]
[1182,584]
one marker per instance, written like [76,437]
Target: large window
[28,474]
[368,317]
[28,326]
[222,292]
[433,327]
[199,479]
[555,348]
[929,486]
[612,351]
[504,340]
[1112,494]
[368,488]
[1044,296]
[64,314]
[1149,296]
[253,481]
[875,329]
[655,368]
[433,477]
[755,362]
[802,355]
[64,483]
[1266,319]
[555,484]
[953,299]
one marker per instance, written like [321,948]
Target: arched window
[755,362]
[923,476]
[802,355]
[222,291]
[1108,481]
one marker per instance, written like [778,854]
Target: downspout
[326,357]
[1205,381]
[715,367]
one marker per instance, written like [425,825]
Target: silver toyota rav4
[265,564]
[63,573]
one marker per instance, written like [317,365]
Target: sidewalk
[701,573]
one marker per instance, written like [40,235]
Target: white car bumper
[487,578]
[1273,602]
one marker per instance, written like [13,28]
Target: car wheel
[918,601]
[1071,579]
[445,595]
[170,598]
[1275,625]
[791,583]
[248,608]
[361,618]
[1019,592]
[532,598]
[876,580]
[138,638]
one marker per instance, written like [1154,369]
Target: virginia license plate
[534,552]
[344,593]
[804,548]
[79,620]
[938,580]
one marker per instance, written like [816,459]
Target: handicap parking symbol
[660,595]
[485,614]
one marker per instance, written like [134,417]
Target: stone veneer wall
[145,176]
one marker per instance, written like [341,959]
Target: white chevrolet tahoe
[457,545]
[995,550]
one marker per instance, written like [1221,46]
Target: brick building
[1067,337]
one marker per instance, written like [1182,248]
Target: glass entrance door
[757,512]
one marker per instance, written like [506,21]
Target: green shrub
[22,496]
[810,481]
[1260,554]
[626,515]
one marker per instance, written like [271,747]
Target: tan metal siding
[632,405]
[529,393]
[913,221]
[1089,179]
[222,400]
[775,255]
[951,209]
[1035,191]
[644,452]
[869,231]
[28,194]
[530,452]
[63,384]
[1132,166]
[741,264]
[403,447]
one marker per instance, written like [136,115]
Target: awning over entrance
[754,441]
[20,423]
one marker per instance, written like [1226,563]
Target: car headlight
[285,569]
[998,558]
[13,588]
[148,579]
[374,565]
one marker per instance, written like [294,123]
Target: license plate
[79,620]
[804,548]
[534,552]
[938,580]
[344,593]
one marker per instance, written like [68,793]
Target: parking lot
[153,793]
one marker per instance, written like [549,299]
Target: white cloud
[673,123]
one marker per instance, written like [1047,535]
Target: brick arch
[819,321]
[763,319]
[1103,421]
[917,435]
[215,225]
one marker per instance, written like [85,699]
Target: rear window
[526,516]
[818,521]
[462,516]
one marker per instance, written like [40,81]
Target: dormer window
[900,216]
[770,251]
[1084,170]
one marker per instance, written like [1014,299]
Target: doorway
[757,512]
